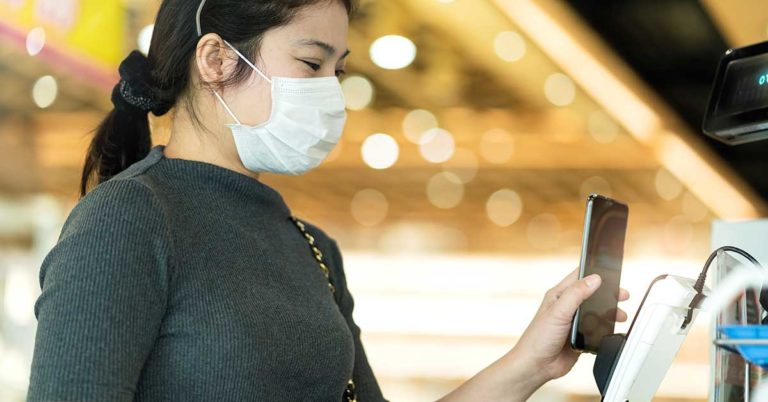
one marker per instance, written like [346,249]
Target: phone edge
[582,260]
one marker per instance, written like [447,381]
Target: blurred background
[476,130]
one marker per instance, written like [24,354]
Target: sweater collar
[221,180]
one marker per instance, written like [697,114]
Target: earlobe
[211,58]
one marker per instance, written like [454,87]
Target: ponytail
[123,137]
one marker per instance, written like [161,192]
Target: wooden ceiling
[459,78]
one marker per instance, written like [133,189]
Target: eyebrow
[328,48]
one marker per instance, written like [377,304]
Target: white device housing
[653,340]
[749,236]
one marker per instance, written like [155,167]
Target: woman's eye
[313,66]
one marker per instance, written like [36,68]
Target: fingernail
[592,280]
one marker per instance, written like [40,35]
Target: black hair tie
[135,93]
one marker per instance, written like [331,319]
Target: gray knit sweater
[184,281]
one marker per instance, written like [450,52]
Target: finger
[623,294]
[570,300]
[621,315]
[569,279]
[554,293]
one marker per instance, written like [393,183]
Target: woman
[181,276]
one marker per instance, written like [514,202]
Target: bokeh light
[504,207]
[393,52]
[145,38]
[544,232]
[667,185]
[560,89]
[693,209]
[369,207]
[417,122]
[380,151]
[35,41]
[358,92]
[602,127]
[45,91]
[497,146]
[445,190]
[509,46]
[437,145]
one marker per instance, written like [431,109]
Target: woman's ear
[214,60]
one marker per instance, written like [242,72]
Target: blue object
[756,354]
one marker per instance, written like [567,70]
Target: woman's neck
[190,142]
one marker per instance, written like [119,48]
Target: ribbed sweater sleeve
[104,292]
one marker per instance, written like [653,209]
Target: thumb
[570,300]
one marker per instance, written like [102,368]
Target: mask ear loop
[221,100]
[253,67]
[245,59]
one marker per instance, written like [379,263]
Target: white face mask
[308,116]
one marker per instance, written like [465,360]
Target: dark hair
[123,137]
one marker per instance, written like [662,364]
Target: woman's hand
[542,353]
[544,346]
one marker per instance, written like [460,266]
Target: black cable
[699,285]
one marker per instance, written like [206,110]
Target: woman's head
[283,38]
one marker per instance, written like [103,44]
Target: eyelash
[316,67]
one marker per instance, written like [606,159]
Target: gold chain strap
[350,394]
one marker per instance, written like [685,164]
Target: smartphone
[602,252]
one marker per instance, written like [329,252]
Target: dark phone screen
[602,253]
[745,87]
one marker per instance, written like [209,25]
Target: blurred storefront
[476,130]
